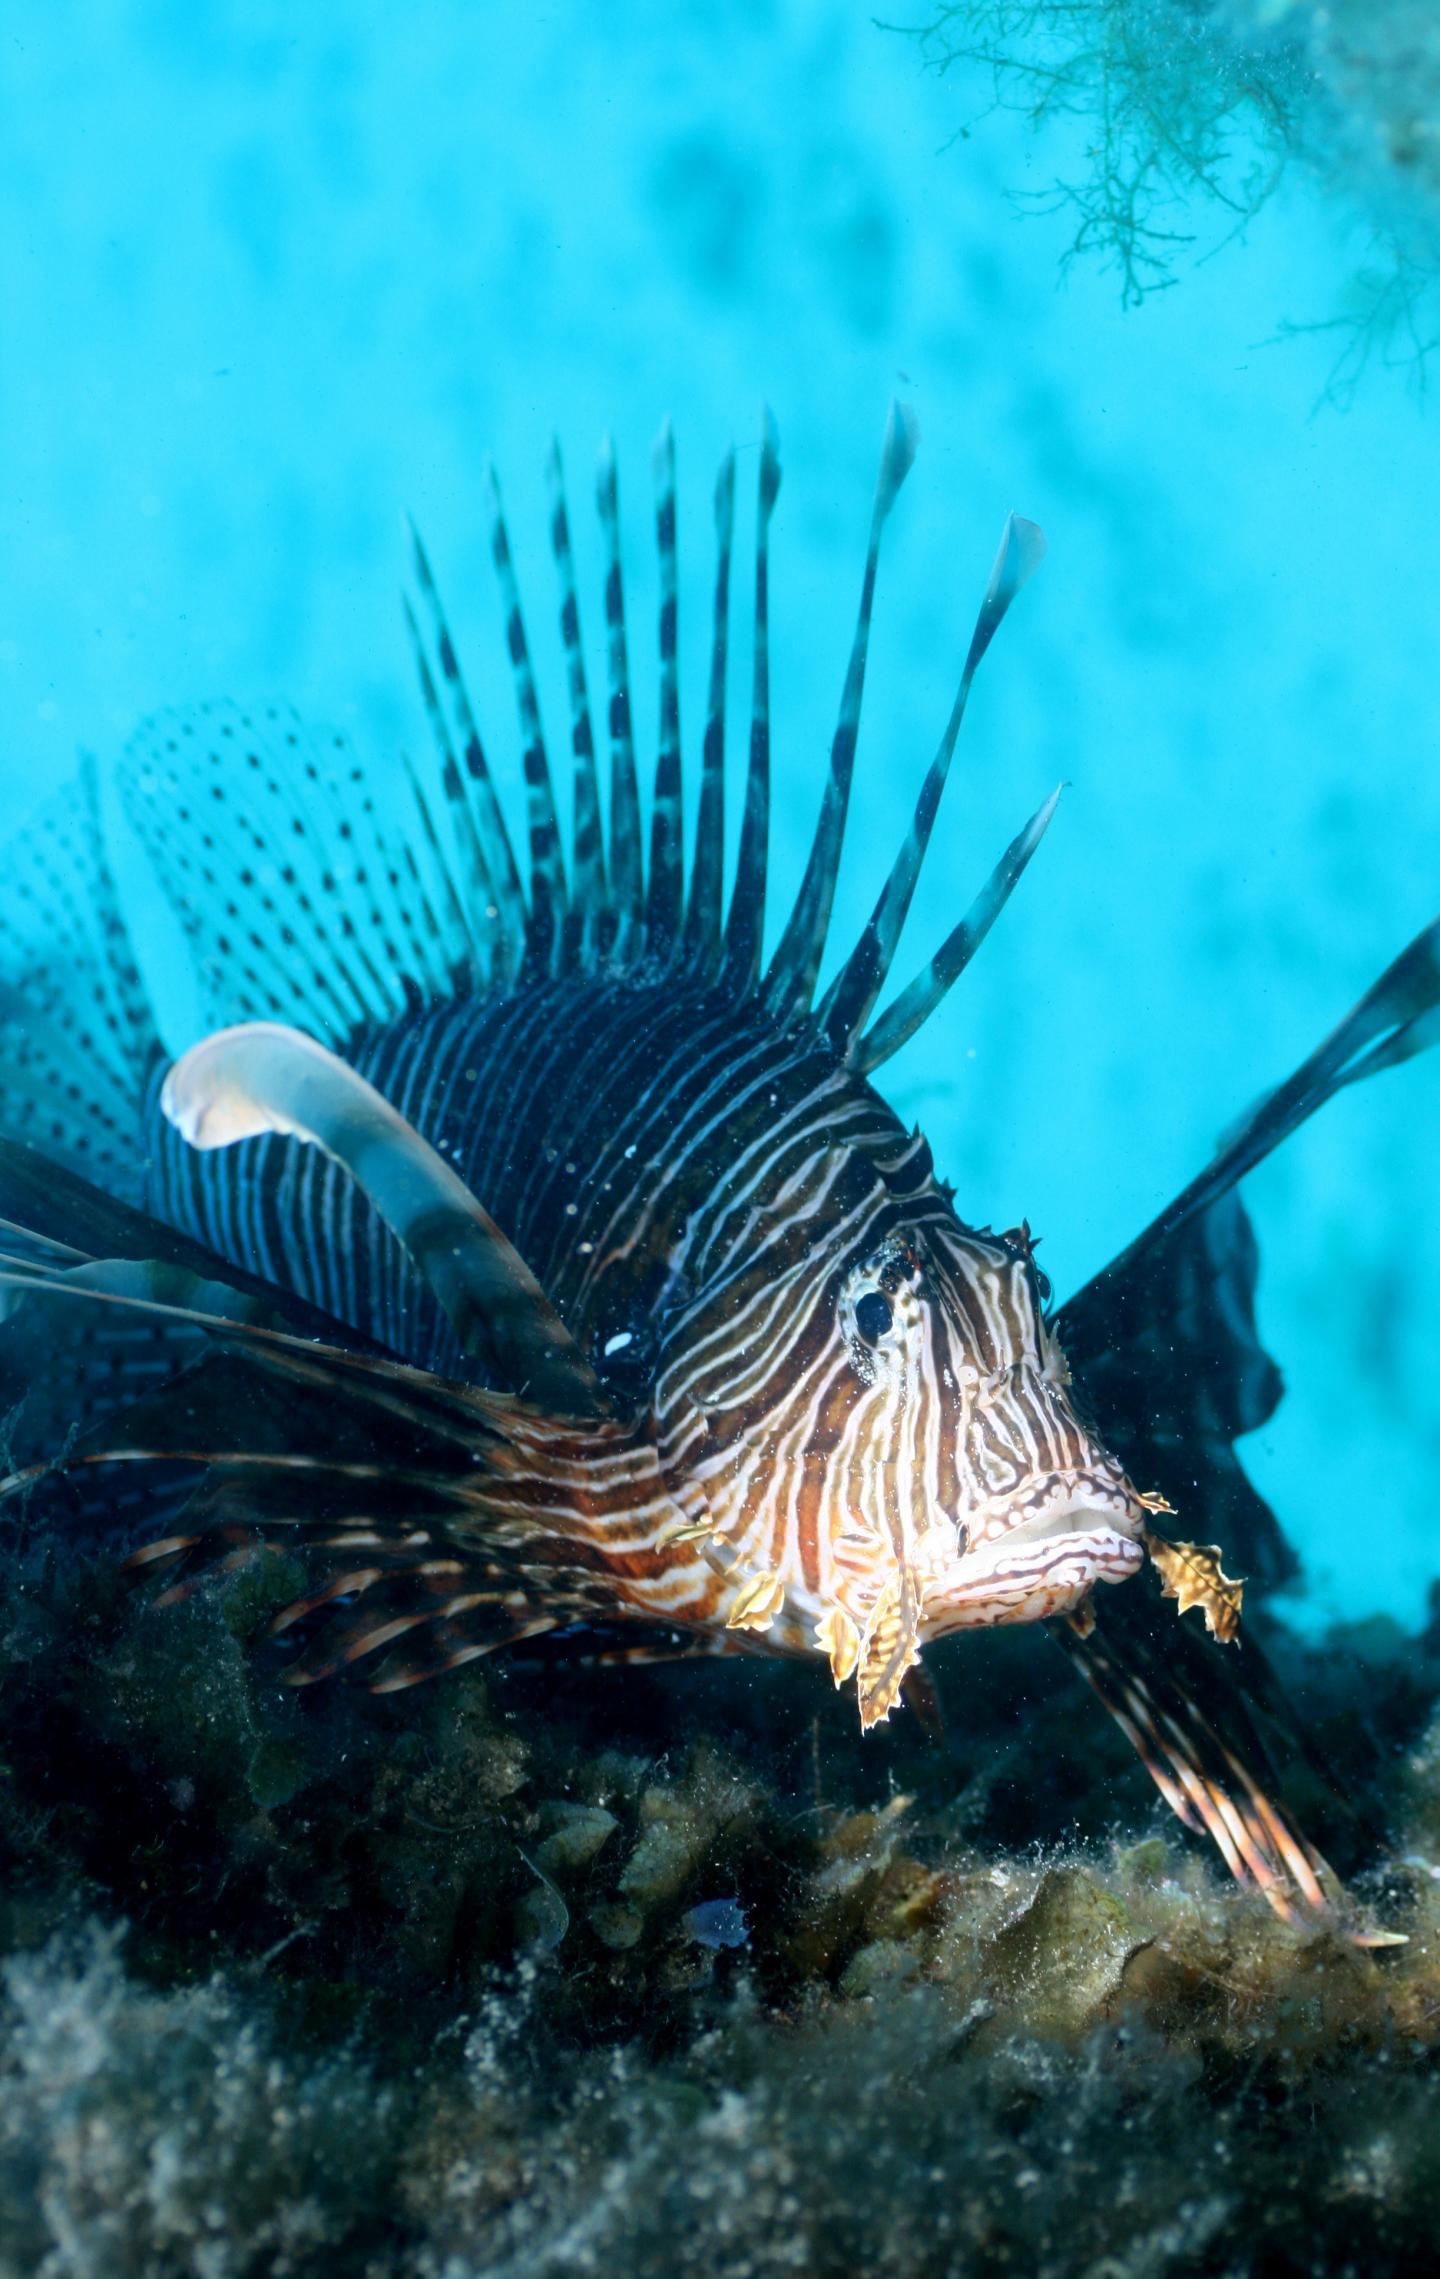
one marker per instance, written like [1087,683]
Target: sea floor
[532,1972]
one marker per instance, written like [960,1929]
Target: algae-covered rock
[171,2133]
[575,1835]
[477,1980]
[1063,1956]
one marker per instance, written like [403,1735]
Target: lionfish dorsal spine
[477,805]
[851,996]
[790,981]
[468,918]
[548,893]
[702,913]
[915,1004]
[666,888]
[590,895]
[626,861]
[745,924]
[475,895]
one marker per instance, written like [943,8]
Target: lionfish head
[889,1426]
[969,1455]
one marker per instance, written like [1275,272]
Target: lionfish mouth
[1078,1515]
[1039,1567]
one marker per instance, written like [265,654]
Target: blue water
[273,276]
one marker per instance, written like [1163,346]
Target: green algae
[317,1982]
[1193,113]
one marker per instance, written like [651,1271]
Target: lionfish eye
[873,1315]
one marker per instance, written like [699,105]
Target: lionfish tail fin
[745,925]
[860,980]
[790,982]
[77,1036]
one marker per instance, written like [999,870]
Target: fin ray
[626,861]
[915,1004]
[745,925]
[702,915]
[667,836]
[855,988]
[1396,1019]
[548,892]
[76,1032]
[790,982]
[1221,1786]
[477,786]
[590,898]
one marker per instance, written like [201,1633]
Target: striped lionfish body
[855,1427]
[537,1254]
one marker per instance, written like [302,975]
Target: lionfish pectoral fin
[263,1077]
[77,1035]
[104,1313]
[1172,1370]
[1164,1337]
[1216,1782]
[431,1523]
[1395,1020]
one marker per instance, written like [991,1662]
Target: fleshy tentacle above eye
[264,1078]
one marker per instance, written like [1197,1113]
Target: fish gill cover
[309,1978]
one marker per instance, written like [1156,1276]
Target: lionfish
[535,1254]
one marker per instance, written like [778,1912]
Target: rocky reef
[552,1969]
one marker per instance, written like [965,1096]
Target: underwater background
[273,278]
[272,282]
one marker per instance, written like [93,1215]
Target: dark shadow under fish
[536,1255]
